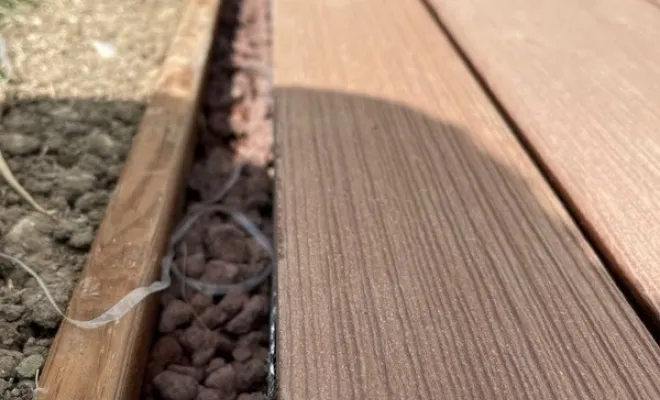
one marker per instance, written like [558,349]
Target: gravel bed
[217,347]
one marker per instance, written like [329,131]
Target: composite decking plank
[421,254]
[581,80]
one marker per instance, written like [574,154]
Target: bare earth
[82,72]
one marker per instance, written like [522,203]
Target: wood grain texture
[421,253]
[107,363]
[581,79]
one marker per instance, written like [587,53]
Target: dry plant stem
[9,177]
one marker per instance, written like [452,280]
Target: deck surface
[421,253]
[581,79]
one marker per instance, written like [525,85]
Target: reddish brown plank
[107,363]
[581,79]
[421,253]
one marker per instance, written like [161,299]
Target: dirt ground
[81,72]
[217,347]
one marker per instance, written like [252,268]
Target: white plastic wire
[132,299]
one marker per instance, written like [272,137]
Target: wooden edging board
[422,255]
[107,363]
[581,81]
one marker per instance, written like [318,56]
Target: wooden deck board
[421,254]
[581,79]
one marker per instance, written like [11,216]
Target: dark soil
[68,155]
[217,348]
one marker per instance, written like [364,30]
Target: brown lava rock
[213,317]
[215,364]
[241,354]
[218,271]
[176,313]
[216,347]
[202,357]
[195,372]
[174,386]
[194,266]
[233,302]
[227,243]
[200,302]
[256,307]
[197,338]
[222,379]
[250,374]
[166,350]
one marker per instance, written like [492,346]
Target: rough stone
[82,239]
[9,335]
[8,361]
[16,144]
[29,366]
[11,312]
[4,385]
[173,386]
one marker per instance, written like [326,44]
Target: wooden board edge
[638,297]
[108,362]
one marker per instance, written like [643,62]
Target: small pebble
[226,242]
[89,201]
[241,354]
[218,271]
[166,350]
[253,338]
[196,373]
[8,361]
[225,344]
[199,338]
[4,385]
[29,366]
[102,145]
[233,302]
[63,230]
[200,301]
[202,357]
[260,353]
[173,386]
[11,312]
[175,314]
[195,265]
[42,312]
[8,334]
[250,373]
[82,239]
[243,322]
[16,144]
[76,183]
[31,348]
[215,364]
[222,379]
[27,384]
[213,316]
